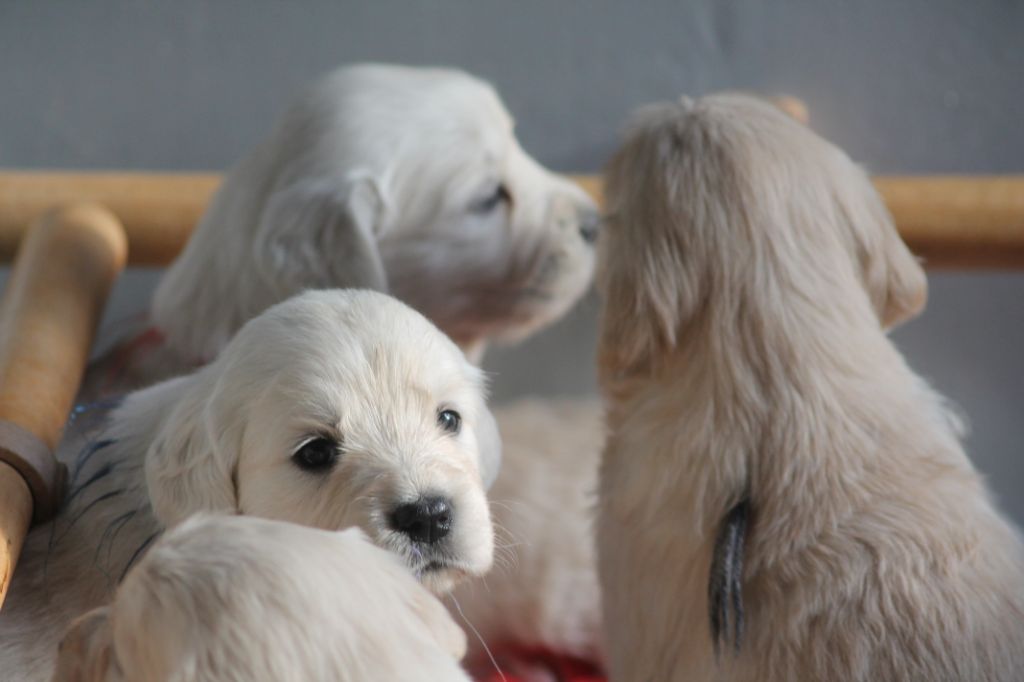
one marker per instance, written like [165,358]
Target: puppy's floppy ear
[488,440]
[646,294]
[86,652]
[320,234]
[894,279]
[190,465]
[647,287]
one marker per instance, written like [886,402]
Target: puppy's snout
[590,225]
[427,520]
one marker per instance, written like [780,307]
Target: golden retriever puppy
[781,498]
[234,598]
[333,409]
[398,179]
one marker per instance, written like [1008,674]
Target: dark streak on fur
[101,498]
[725,585]
[87,453]
[110,530]
[103,471]
[138,552]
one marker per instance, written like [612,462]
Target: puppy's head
[333,409]
[479,237]
[716,204]
[397,179]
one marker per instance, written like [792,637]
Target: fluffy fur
[749,270]
[241,599]
[397,179]
[355,367]
[543,592]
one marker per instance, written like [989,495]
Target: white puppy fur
[398,179]
[749,269]
[333,409]
[543,592]
[239,599]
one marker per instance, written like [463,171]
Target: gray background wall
[916,86]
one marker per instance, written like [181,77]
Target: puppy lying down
[234,598]
[333,409]
[781,497]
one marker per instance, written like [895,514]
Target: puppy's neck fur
[214,286]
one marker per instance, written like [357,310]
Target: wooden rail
[50,308]
[951,221]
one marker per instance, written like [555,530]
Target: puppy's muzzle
[427,520]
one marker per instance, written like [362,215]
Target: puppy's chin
[441,580]
[519,312]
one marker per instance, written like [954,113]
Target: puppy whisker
[479,638]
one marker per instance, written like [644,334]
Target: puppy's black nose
[590,226]
[427,520]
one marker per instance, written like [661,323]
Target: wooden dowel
[50,308]
[952,221]
[793,106]
[15,517]
[959,222]
[158,210]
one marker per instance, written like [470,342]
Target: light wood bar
[51,305]
[952,221]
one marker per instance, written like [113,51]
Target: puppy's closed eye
[317,454]
[498,196]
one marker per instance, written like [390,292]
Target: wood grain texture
[51,306]
[964,222]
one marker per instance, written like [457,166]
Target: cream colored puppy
[398,179]
[333,409]
[781,497]
[233,598]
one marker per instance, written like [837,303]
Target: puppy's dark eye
[449,420]
[499,197]
[316,455]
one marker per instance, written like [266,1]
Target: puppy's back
[240,598]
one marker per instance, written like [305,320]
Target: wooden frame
[950,221]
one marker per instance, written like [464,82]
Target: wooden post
[50,308]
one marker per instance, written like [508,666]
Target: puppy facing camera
[238,598]
[781,497]
[334,409]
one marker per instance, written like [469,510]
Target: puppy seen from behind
[781,497]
